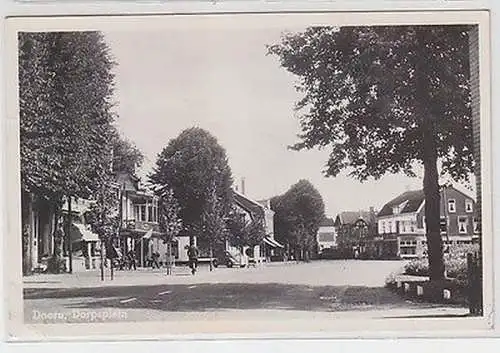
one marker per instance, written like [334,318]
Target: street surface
[332,289]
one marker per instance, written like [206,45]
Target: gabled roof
[327,222]
[351,217]
[413,200]
[249,205]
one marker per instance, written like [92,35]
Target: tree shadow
[226,296]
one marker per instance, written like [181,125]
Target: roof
[413,201]
[248,205]
[327,222]
[351,217]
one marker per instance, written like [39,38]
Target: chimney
[243,186]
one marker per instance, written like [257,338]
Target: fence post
[475,290]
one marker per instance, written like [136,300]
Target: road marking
[127,300]
[191,287]
[155,301]
[166,292]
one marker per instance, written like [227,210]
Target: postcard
[249,175]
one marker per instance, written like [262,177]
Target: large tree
[65,90]
[298,214]
[384,99]
[196,168]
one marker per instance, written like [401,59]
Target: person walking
[156,256]
[131,260]
[193,254]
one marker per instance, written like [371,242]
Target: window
[469,206]
[147,212]
[462,225]
[443,225]
[382,227]
[452,206]
[477,226]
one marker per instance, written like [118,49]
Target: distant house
[401,222]
[252,211]
[327,235]
[354,230]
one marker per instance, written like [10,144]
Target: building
[253,210]
[139,231]
[355,230]
[327,235]
[401,222]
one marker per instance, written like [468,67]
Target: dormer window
[452,207]
[399,208]
[469,208]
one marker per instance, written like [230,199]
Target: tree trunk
[70,241]
[211,257]
[431,176]
[27,234]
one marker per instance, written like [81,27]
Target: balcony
[140,226]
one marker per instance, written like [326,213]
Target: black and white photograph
[239,173]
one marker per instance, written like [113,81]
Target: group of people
[129,261]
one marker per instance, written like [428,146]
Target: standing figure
[193,254]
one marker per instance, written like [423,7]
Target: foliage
[126,156]
[213,225]
[384,98]
[65,88]
[359,86]
[103,215]
[455,263]
[170,223]
[243,232]
[193,165]
[298,214]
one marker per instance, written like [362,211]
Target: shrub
[455,263]
[417,267]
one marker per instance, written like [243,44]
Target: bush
[455,263]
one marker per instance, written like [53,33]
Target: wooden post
[142,252]
[102,259]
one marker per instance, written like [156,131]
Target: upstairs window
[462,225]
[452,207]
[443,225]
[469,208]
[477,226]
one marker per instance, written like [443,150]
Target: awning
[80,233]
[272,242]
[148,234]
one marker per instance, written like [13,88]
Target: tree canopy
[383,98]
[298,214]
[126,156]
[65,89]
[245,232]
[195,167]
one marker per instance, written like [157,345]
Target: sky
[223,81]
